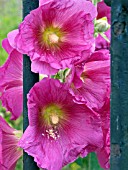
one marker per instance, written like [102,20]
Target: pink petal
[10,152]
[12,99]
[11,37]
[6,46]
[104,11]
[11,84]
[103,154]
[42,2]
[42,68]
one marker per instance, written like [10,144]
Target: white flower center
[54,119]
[53,38]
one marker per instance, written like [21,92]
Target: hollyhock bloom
[57,34]
[103,11]
[9,151]
[88,82]
[11,78]
[59,128]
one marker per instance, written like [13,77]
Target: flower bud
[101,25]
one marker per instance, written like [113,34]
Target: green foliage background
[10,17]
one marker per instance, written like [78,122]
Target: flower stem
[89,162]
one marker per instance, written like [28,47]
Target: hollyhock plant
[59,129]
[103,11]
[57,34]
[9,151]
[11,80]
[88,82]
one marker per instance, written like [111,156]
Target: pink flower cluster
[68,117]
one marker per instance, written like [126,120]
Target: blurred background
[10,17]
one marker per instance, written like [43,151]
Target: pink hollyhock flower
[103,11]
[57,34]
[11,79]
[9,151]
[88,82]
[59,128]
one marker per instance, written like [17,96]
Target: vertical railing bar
[29,79]
[119,85]
[108,2]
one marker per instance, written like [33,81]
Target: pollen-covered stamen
[53,38]
[54,119]
[52,133]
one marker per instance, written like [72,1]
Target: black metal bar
[29,79]
[119,77]
[108,2]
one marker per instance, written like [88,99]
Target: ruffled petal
[42,67]
[11,37]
